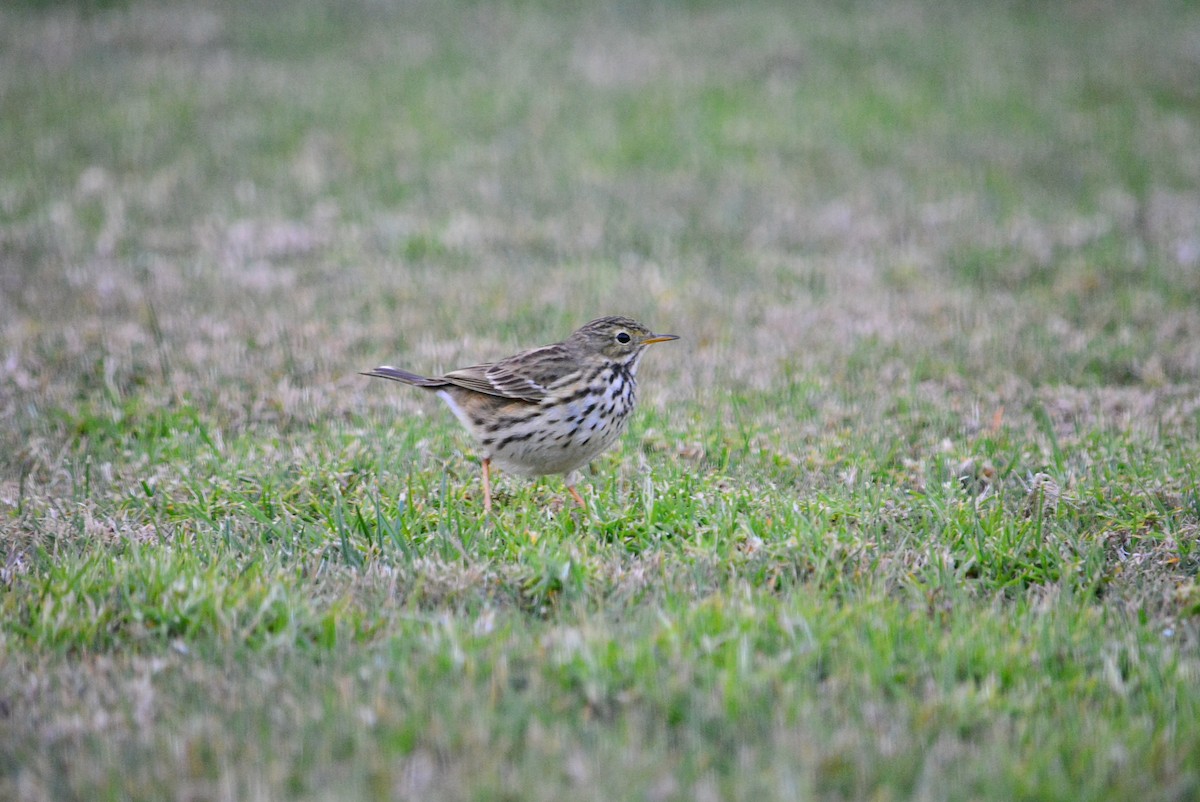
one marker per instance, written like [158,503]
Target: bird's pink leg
[487,484]
[575,495]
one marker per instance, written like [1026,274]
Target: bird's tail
[403,376]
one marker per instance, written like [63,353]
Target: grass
[911,511]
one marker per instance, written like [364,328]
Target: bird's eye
[623,337]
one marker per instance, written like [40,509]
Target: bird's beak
[659,338]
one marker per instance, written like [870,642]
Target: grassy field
[911,511]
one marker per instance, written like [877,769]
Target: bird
[548,410]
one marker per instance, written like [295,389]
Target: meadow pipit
[550,409]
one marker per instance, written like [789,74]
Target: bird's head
[617,338]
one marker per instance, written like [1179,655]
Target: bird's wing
[528,376]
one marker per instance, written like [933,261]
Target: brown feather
[404,377]
[527,376]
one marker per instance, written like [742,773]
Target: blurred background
[236,206]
